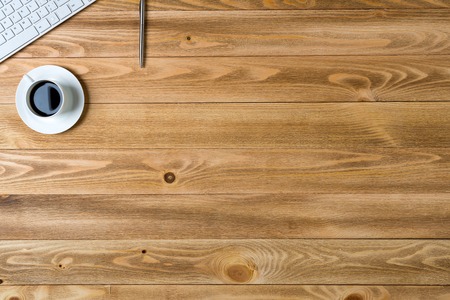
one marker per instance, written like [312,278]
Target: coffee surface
[46,99]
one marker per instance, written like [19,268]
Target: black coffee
[46,99]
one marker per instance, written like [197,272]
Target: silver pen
[142,33]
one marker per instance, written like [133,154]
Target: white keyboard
[23,21]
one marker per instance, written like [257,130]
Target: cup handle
[27,77]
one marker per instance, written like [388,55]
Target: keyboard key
[2,15]
[6,23]
[8,9]
[12,45]
[34,17]
[15,17]
[24,11]
[75,4]
[41,2]
[25,23]
[42,12]
[16,29]
[2,40]
[61,2]
[51,6]
[4,2]
[32,6]
[42,25]
[16,5]
[52,19]
[63,11]
[8,34]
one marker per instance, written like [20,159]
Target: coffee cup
[45,98]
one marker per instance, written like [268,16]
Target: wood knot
[65,263]
[14,298]
[360,86]
[233,265]
[240,273]
[354,297]
[364,294]
[169,177]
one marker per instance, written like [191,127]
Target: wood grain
[49,292]
[326,125]
[280,292]
[227,216]
[221,292]
[256,33]
[244,79]
[249,33]
[378,262]
[199,171]
[261,4]
[303,4]
[232,158]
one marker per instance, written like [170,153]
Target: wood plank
[377,262]
[228,216]
[238,292]
[326,125]
[249,33]
[280,292]
[249,79]
[275,4]
[46,292]
[221,292]
[200,171]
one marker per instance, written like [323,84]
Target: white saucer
[59,122]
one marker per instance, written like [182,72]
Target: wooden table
[301,148]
